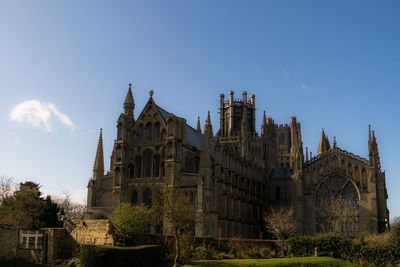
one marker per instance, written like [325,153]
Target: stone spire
[98,167]
[198,124]
[264,121]
[323,143]
[129,103]
[208,127]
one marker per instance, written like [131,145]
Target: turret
[129,103]
[221,115]
[98,167]
[296,150]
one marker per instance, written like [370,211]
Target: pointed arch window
[138,163]
[337,206]
[149,132]
[131,171]
[148,158]
[134,197]
[141,133]
[148,198]
[158,130]
[189,162]
[156,165]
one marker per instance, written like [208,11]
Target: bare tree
[280,221]
[7,187]
[175,208]
[72,210]
[336,215]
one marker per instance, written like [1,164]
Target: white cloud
[305,87]
[36,113]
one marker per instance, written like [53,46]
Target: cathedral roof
[193,137]
[163,112]
[281,173]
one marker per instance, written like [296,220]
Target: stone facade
[236,174]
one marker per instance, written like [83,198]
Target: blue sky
[333,64]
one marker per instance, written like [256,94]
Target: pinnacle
[129,96]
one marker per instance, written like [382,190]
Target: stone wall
[59,244]
[90,232]
[8,241]
[9,246]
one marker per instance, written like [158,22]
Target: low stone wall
[9,249]
[90,232]
[59,244]
[8,241]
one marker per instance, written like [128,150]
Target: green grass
[303,261]
[18,263]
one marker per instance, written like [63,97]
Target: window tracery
[337,206]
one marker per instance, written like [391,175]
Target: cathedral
[235,175]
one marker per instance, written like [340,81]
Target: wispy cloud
[305,87]
[39,114]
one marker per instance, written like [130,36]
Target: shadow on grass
[18,263]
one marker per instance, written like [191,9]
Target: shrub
[394,236]
[344,248]
[201,253]
[130,224]
[186,246]
[100,256]
[265,252]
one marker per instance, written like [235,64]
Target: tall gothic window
[148,158]
[337,206]
[138,162]
[149,132]
[141,133]
[156,165]
[158,131]
[147,197]
[134,197]
[189,162]
[131,170]
[281,139]
[162,169]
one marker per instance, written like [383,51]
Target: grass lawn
[19,263]
[303,261]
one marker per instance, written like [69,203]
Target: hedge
[343,248]
[99,256]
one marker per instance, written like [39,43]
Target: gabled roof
[193,137]
[281,173]
[163,112]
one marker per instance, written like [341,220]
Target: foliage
[100,256]
[175,208]
[376,239]
[18,263]
[304,261]
[265,252]
[201,253]
[394,236]
[344,248]
[281,222]
[130,224]
[26,207]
